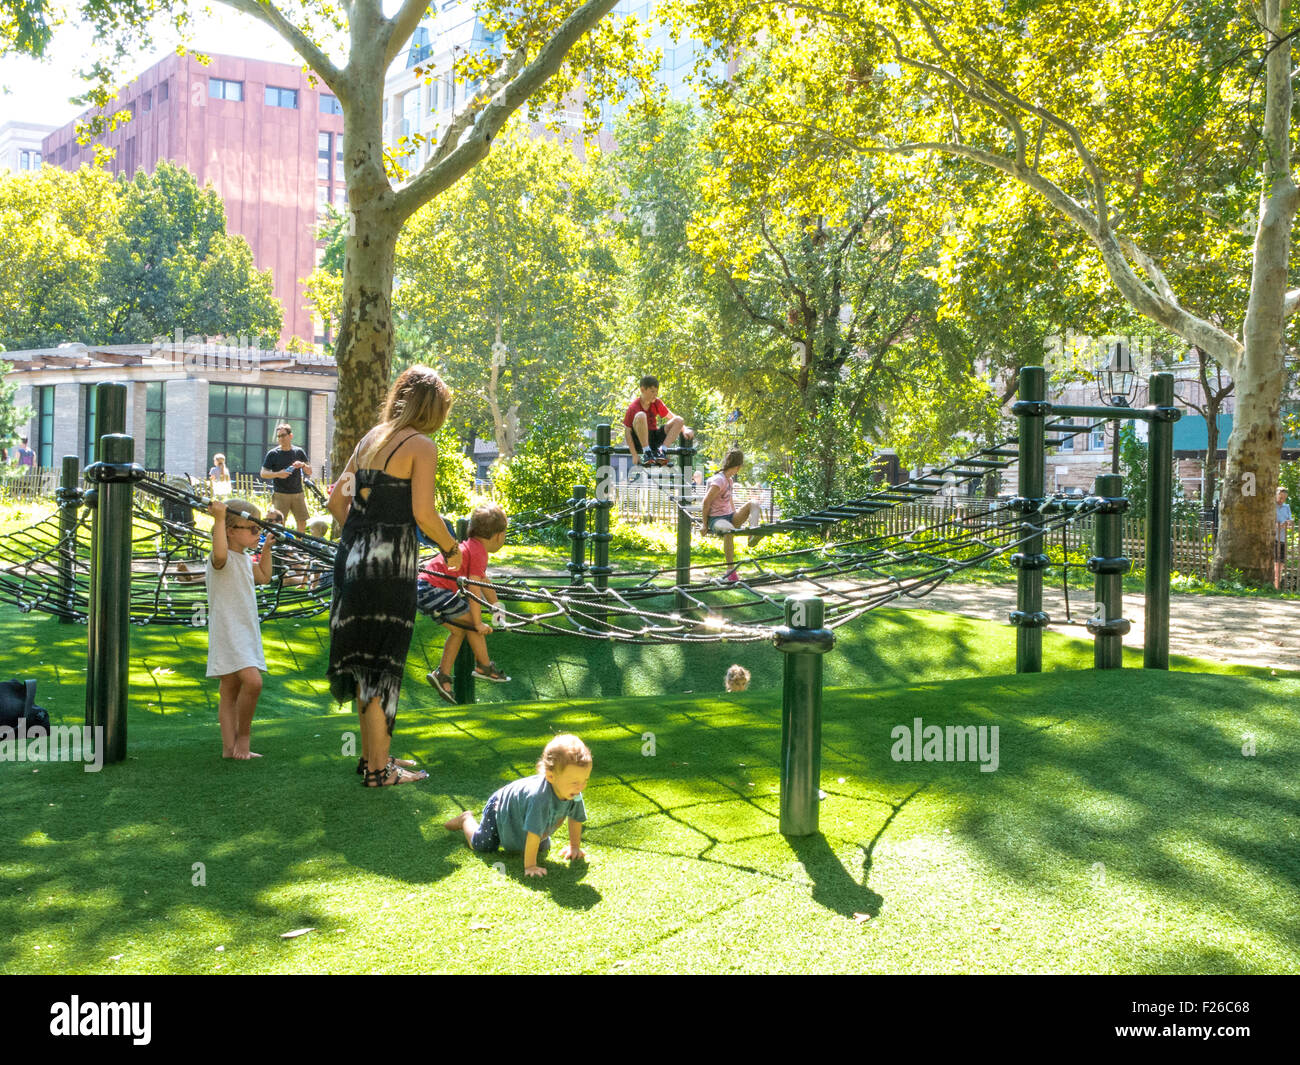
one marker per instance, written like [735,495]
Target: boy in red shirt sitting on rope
[438,595]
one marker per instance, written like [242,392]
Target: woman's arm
[424,505]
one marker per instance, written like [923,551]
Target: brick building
[268,142]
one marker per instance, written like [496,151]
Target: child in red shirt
[649,426]
[438,594]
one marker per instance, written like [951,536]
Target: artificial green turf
[1124,830]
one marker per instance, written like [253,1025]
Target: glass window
[1067,444]
[162,90]
[43,445]
[433,96]
[1099,439]
[155,419]
[340,197]
[146,102]
[242,421]
[90,403]
[329,105]
[281,97]
[323,155]
[220,89]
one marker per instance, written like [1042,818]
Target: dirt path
[1258,632]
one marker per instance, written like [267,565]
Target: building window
[162,90]
[323,156]
[220,89]
[340,198]
[146,102]
[1067,444]
[329,105]
[155,428]
[281,97]
[433,97]
[90,404]
[1099,439]
[242,421]
[43,445]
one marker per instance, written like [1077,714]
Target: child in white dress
[234,637]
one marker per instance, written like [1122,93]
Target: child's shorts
[441,604]
[486,840]
[722,523]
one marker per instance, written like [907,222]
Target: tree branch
[265,11]
[440,173]
[401,26]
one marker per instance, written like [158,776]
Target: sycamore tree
[1156,130]
[545,46]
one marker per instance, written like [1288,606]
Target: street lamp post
[1117,386]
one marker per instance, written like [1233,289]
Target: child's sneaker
[732,577]
[648,457]
[490,672]
[661,456]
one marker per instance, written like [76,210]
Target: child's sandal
[490,672]
[442,685]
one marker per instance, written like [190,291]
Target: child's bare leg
[228,693]
[463,822]
[455,635]
[729,549]
[250,690]
[478,643]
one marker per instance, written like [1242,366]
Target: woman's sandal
[442,685]
[402,763]
[391,774]
[490,672]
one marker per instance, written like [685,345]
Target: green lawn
[1123,831]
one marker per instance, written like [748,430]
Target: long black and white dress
[372,614]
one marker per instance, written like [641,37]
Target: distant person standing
[1284,523]
[219,478]
[25,456]
[286,465]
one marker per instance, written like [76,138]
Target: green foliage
[541,474]
[455,473]
[11,417]
[508,280]
[101,260]
[1133,461]
[1289,478]
[172,265]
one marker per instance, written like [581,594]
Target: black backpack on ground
[18,702]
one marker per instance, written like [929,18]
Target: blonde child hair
[737,679]
[563,751]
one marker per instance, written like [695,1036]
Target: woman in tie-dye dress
[384,492]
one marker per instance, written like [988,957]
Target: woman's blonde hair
[419,399]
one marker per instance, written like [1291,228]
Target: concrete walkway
[1258,632]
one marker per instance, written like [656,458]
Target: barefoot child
[234,638]
[437,594]
[523,816]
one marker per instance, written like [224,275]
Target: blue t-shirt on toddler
[531,805]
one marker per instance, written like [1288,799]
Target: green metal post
[462,670]
[1030,561]
[1108,626]
[110,409]
[69,499]
[1160,537]
[685,459]
[600,569]
[110,415]
[577,564]
[803,641]
[111,558]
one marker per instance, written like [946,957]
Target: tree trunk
[1255,445]
[364,350]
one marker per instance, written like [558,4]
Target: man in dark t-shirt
[286,466]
